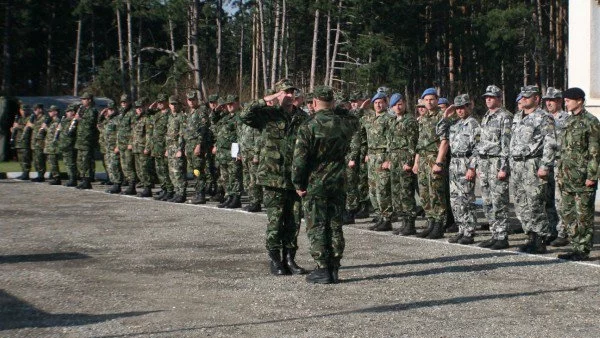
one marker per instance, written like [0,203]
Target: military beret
[395,99]
[552,93]
[38,105]
[323,93]
[161,97]
[429,91]
[284,84]
[574,93]
[462,100]
[377,96]
[213,98]
[138,103]
[191,95]
[110,105]
[529,91]
[231,99]
[492,90]
[86,96]
[173,99]
[53,108]
[420,103]
[443,100]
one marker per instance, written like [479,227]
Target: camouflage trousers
[462,196]
[83,162]
[363,182]
[128,164]
[231,176]
[112,162]
[197,165]
[213,172]
[161,166]
[283,215]
[432,189]
[24,156]
[53,162]
[529,195]
[70,158]
[352,187]
[142,168]
[578,215]
[255,191]
[495,196]
[177,172]
[323,216]
[39,161]
[379,186]
[403,186]
[553,209]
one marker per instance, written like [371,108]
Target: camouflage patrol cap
[86,96]
[284,84]
[492,90]
[269,92]
[324,93]
[213,98]
[38,106]
[161,97]
[231,99]
[71,107]
[173,99]
[310,97]
[553,93]
[53,108]
[110,105]
[25,106]
[462,100]
[191,95]
[124,98]
[529,91]
[138,103]
[420,103]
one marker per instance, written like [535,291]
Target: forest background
[65,47]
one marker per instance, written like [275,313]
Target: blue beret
[395,98]
[443,100]
[429,91]
[519,98]
[378,95]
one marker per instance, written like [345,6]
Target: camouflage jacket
[87,132]
[125,127]
[560,123]
[39,133]
[319,165]
[51,145]
[376,127]
[358,144]
[140,135]
[226,134]
[101,139]
[402,137]
[66,140]
[495,136]
[463,136]
[160,123]
[429,139]
[197,129]
[533,137]
[278,136]
[174,140]
[22,134]
[580,144]
[110,133]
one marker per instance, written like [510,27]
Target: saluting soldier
[140,146]
[124,128]
[38,140]
[21,134]
[51,144]
[175,150]
[67,136]
[196,144]
[86,119]
[112,159]
[161,115]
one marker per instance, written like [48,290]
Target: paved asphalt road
[88,264]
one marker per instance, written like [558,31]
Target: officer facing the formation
[493,167]
[196,143]
[463,135]
[402,137]
[175,150]
[124,128]
[318,172]
[250,148]
[38,140]
[161,115]
[140,146]
[532,151]
[66,136]
[279,126]
[112,159]
[558,233]
[51,149]
[21,136]
[86,119]
[578,173]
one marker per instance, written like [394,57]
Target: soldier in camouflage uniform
[492,165]
[376,123]
[211,164]
[126,119]
[558,233]
[578,174]
[196,144]
[402,137]
[51,144]
[112,159]
[67,135]
[21,134]
[86,119]
[355,160]
[175,150]
[278,126]
[38,140]
[140,147]
[318,174]
[102,146]
[532,149]
[463,135]
[161,115]
[431,167]
[249,145]
[230,167]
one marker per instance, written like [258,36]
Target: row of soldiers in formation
[388,154]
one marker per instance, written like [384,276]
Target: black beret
[574,93]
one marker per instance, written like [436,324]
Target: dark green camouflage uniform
[355,192]
[38,141]
[112,160]
[51,148]
[158,148]
[140,138]
[86,140]
[196,133]
[126,120]
[250,147]
[22,137]
[67,148]
[230,168]
[175,142]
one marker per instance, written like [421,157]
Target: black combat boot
[85,184]
[320,276]
[420,212]
[401,227]
[219,196]
[130,189]
[488,243]
[168,196]
[276,266]
[349,217]
[235,202]
[335,268]
[290,263]
[455,238]
[574,256]
[55,181]
[24,176]
[437,231]
[115,189]
[177,199]
[466,240]
[39,179]
[539,245]
[384,225]
[529,246]
[363,211]
[430,226]
[500,244]
[409,227]
[125,183]
[200,198]
[254,207]
[225,202]
[560,241]
[147,192]
[160,195]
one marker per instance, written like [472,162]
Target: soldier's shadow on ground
[44,257]
[429,260]
[16,313]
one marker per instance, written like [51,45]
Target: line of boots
[231,202]
[534,244]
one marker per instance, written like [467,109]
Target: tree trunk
[262,44]
[219,9]
[241,74]
[77,49]
[327,48]
[6,52]
[254,76]
[132,91]
[283,40]
[93,45]
[49,70]
[196,49]
[335,44]
[275,43]
[313,61]
[121,54]
[138,66]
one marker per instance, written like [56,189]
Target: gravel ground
[87,264]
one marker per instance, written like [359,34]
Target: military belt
[461,155]
[486,156]
[523,158]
